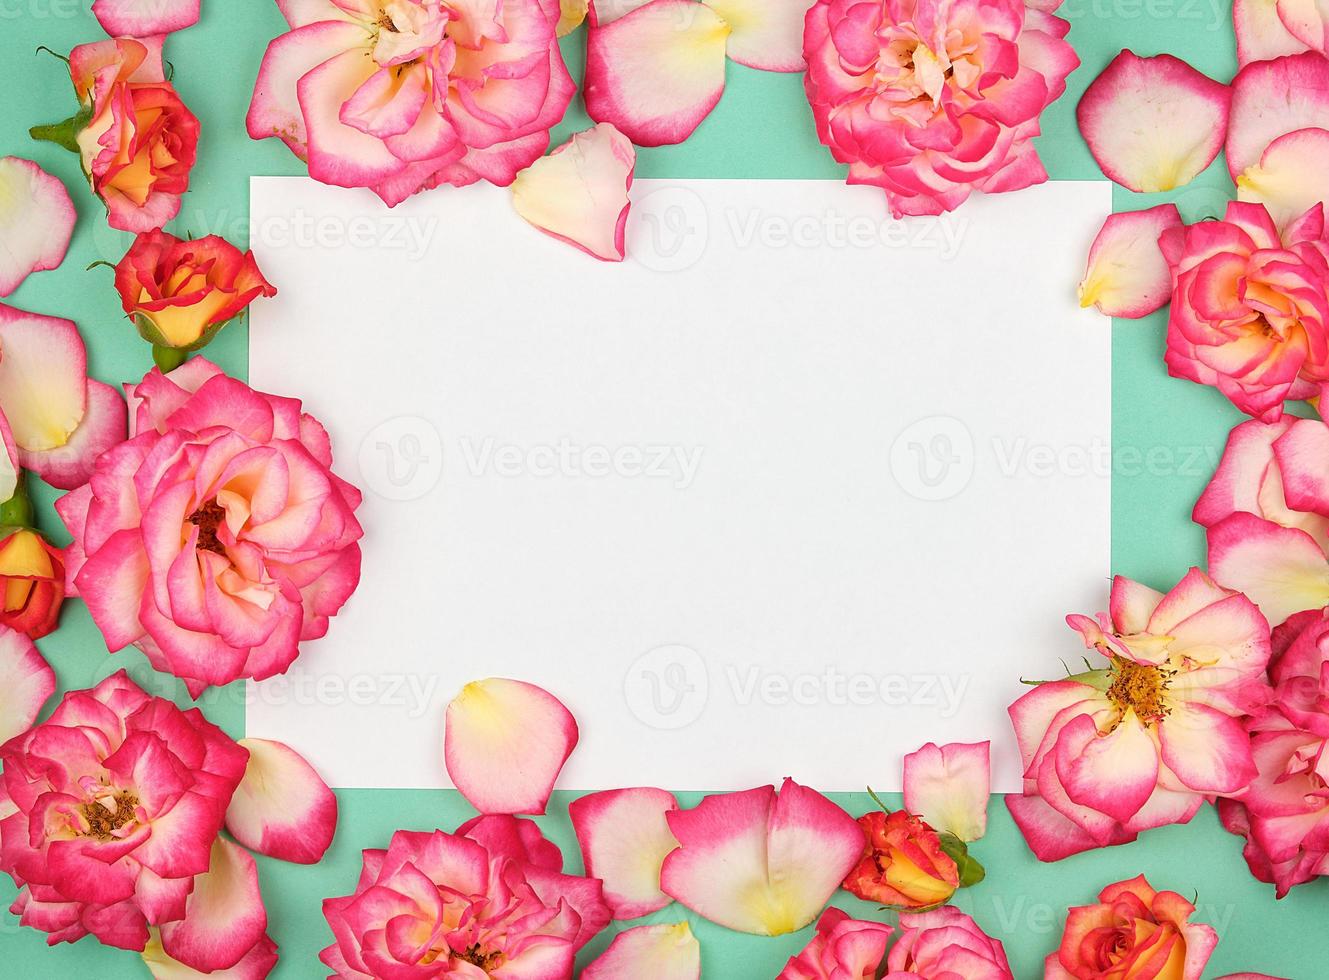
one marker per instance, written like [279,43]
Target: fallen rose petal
[664,952]
[145,18]
[656,72]
[624,836]
[26,682]
[579,193]
[1153,124]
[1127,275]
[224,916]
[1271,99]
[36,221]
[1261,34]
[1281,569]
[765,34]
[783,857]
[282,808]
[1307,21]
[43,378]
[505,744]
[9,464]
[571,15]
[255,965]
[949,787]
[104,425]
[1291,176]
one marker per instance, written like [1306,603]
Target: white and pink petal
[765,34]
[508,727]
[1282,570]
[145,18]
[1291,177]
[949,787]
[26,683]
[282,807]
[1271,99]
[784,855]
[1127,275]
[579,193]
[224,918]
[656,72]
[661,952]
[1153,124]
[36,221]
[624,836]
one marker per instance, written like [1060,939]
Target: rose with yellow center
[1140,741]
[32,577]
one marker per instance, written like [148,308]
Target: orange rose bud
[181,293]
[32,575]
[903,863]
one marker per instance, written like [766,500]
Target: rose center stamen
[208,519]
[1141,688]
[102,823]
[476,956]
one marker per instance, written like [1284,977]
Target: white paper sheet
[794,490]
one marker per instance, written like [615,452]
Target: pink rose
[842,949]
[945,943]
[932,100]
[488,900]
[217,538]
[109,810]
[1133,932]
[403,95]
[1250,308]
[1139,742]
[1284,814]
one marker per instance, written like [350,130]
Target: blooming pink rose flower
[217,538]
[403,95]
[1284,814]
[1139,743]
[932,100]
[109,810]
[490,902]
[946,943]
[1250,308]
[842,948]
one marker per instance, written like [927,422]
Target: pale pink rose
[842,948]
[1134,932]
[404,95]
[1141,741]
[1250,308]
[110,809]
[943,944]
[1284,814]
[217,538]
[933,100]
[488,900]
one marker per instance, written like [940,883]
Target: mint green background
[762,129]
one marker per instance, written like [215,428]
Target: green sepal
[168,358]
[17,511]
[64,133]
[971,871]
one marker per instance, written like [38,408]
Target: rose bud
[32,575]
[181,293]
[136,140]
[903,863]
